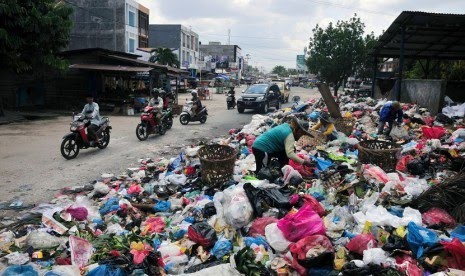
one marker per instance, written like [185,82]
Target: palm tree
[164,56]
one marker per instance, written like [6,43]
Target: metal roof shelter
[422,35]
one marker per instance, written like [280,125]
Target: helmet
[194,93]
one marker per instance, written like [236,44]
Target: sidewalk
[18,116]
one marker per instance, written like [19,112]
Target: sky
[273,32]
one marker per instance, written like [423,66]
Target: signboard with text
[300,65]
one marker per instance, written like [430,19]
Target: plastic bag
[105,270]
[419,237]
[203,234]
[153,225]
[376,256]
[322,164]
[17,270]
[459,233]
[110,206]
[456,251]
[402,164]
[258,226]
[399,133]
[305,171]
[314,204]
[222,247]
[289,173]
[78,213]
[375,173]
[176,179]
[262,199]
[433,132]
[81,251]
[304,222]
[275,238]
[315,250]
[257,241]
[438,217]
[362,242]
[237,210]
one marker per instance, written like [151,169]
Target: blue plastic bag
[419,238]
[111,205]
[259,240]
[314,115]
[156,243]
[162,206]
[221,248]
[245,151]
[20,270]
[322,164]
[105,270]
[459,233]
[179,234]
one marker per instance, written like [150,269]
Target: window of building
[183,40]
[188,44]
[132,45]
[192,43]
[183,56]
[131,16]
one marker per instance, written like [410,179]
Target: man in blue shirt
[388,114]
[279,142]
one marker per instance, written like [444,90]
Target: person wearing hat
[279,142]
[326,126]
[388,114]
[92,111]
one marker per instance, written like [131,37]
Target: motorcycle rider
[196,103]
[92,111]
[157,102]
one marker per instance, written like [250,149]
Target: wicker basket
[345,125]
[307,142]
[380,153]
[217,163]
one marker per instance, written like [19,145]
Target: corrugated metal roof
[103,67]
[427,35]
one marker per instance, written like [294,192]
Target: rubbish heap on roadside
[401,214]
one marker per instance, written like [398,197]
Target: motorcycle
[188,116]
[77,138]
[230,101]
[148,125]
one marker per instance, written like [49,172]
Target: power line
[328,3]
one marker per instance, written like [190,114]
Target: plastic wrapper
[456,250]
[419,238]
[275,238]
[258,226]
[362,242]
[312,251]
[438,217]
[203,234]
[305,222]
[81,251]
[237,210]
[221,248]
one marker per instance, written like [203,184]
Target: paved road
[33,170]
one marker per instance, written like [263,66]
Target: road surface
[33,170]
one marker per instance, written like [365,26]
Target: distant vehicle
[260,97]
[285,90]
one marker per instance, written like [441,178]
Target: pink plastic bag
[456,251]
[305,171]
[402,164]
[314,204]
[319,243]
[303,223]
[362,242]
[81,251]
[153,225]
[437,216]
[433,132]
[375,172]
[258,226]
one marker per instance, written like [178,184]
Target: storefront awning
[115,68]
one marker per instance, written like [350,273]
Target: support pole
[401,64]
[373,82]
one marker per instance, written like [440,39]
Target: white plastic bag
[275,238]
[176,179]
[289,173]
[376,256]
[237,210]
[399,133]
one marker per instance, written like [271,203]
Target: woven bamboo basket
[217,163]
[345,125]
[308,142]
[380,153]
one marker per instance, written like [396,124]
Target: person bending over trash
[279,142]
[388,114]
[326,126]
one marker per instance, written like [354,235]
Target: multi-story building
[223,58]
[118,25]
[182,40]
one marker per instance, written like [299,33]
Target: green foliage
[279,70]
[164,56]
[339,51]
[32,33]
[446,70]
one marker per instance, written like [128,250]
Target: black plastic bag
[444,119]
[209,210]
[417,167]
[263,199]
[201,266]
[203,234]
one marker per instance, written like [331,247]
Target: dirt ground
[32,169]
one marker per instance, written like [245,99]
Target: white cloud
[273,32]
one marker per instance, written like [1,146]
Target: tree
[279,70]
[32,33]
[164,56]
[365,70]
[337,52]
[292,72]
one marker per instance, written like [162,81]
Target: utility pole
[229,36]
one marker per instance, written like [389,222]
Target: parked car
[260,97]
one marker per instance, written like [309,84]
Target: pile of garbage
[340,217]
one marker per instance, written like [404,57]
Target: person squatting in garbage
[91,110]
[157,102]
[388,114]
[279,142]
[326,126]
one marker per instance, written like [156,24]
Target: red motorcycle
[148,125]
[77,139]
